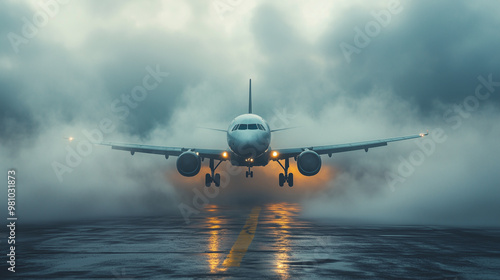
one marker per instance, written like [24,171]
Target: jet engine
[189,164]
[309,163]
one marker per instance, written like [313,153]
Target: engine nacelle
[309,163]
[188,164]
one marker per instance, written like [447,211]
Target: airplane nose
[254,146]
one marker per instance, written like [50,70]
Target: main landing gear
[215,178]
[287,177]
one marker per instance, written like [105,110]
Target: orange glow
[211,208]
[274,154]
[263,186]
[224,154]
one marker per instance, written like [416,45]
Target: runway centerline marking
[244,240]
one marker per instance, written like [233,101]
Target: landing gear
[215,178]
[249,173]
[208,180]
[287,177]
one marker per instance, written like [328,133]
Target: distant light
[422,134]
[70,139]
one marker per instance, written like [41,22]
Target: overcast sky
[342,70]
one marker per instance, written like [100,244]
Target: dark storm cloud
[16,118]
[52,81]
[430,51]
[427,59]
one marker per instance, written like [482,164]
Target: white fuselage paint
[249,146]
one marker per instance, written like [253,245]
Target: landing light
[70,138]
[224,154]
[274,154]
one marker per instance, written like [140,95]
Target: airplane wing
[331,149]
[166,151]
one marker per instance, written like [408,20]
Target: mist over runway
[283,245]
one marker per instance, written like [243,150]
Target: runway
[268,241]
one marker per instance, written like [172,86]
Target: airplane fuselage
[249,137]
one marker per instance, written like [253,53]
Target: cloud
[455,183]
[421,55]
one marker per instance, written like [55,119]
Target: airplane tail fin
[250,97]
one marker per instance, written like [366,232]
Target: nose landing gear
[249,173]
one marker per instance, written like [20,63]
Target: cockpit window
[252,126]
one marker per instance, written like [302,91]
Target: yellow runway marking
[244,240]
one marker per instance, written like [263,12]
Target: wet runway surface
[268,242]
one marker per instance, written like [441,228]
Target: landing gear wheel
[217,180]
[285,177]
[282,179]
[208,180]
[211,177]
[290,180]
[249,173]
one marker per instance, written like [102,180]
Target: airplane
[248,140]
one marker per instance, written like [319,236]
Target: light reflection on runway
[277,217]
[283,215]
[214,257]
[215,251]
[285,246]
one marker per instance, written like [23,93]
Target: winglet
[250,97]
[424,134]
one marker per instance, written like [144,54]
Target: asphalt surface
[261,242]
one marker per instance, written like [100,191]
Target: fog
[67,68]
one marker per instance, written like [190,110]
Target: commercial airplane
[248,139]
